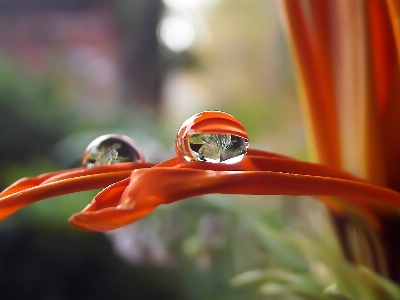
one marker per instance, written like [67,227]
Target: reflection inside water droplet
[212,136]
[111,149]
[218,148]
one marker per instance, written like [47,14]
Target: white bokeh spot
[176,33]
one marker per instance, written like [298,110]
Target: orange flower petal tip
[28,182]
[12,202]
[106,219]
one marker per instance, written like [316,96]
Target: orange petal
[28,182]
[182,183]
[29,190]
[107,219]
[274,164]
[98,170]
[306,27]
[394,9]
[108,197]
[152,187]
[127,199]
[13,202]
[106,212]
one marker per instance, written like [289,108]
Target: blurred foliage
[307,262]
[32,114]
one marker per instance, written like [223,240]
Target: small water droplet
[212,136]
[111,149]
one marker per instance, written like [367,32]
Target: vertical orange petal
[360,125]
[392,137]
[310,44]
[392,112]
[394,9]
[348,42]
[383,55]
[383,82]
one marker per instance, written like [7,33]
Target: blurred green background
[73,70]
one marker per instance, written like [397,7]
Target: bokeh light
[176,33]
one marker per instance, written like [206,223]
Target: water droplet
[111,149]
[212,136]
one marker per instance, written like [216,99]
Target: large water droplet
[212,136]
[111,149]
